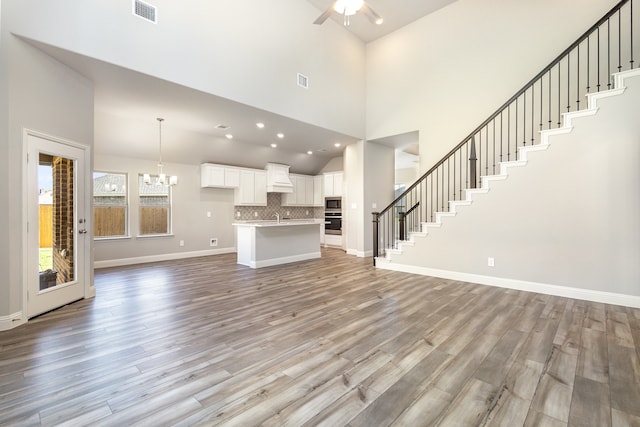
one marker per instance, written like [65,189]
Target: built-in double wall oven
[333,215]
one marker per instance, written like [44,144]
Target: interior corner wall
[369,168]
[379,177]
[4,172]
[334,165]
[45,96]
[353,198]
[448,71]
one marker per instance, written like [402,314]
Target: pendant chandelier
[162,178]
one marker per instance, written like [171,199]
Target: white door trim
[84,200]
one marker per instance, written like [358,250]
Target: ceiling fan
[346,8]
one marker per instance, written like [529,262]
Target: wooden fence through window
[46,226]
[109,221]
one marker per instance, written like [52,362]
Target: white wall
[190,204]
[5,250]
[222,47]
[334,165]
[445,73]
[45,96]
[353,197]
[379,174]
[406,176]
[568,219]
[368,180]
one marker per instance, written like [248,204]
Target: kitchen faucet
[277,215]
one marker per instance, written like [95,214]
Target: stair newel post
[472,164]
[402,222]
[376,221]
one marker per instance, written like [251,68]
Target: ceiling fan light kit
[347,8]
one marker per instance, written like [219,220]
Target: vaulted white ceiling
[127,104]
[396,14]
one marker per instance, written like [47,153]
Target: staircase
[511,140]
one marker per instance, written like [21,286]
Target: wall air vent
[303,81]
[145,11]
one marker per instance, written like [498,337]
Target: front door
[56,224]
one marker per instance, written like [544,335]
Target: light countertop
[281,223]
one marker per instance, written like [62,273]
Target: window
[155,207]
[110,205]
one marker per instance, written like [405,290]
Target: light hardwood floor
[331,342]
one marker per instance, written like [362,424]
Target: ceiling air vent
[222,127]
[303,81]
[145,11]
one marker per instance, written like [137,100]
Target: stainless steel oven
[332,222]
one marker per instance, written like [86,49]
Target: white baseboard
[359,254]
[284,260]
[163,257]
[11,321]
[520,285]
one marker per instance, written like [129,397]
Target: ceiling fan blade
[325,15]
[371,14]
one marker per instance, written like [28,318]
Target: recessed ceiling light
[260,125]
[309,152]
[337,144]
[274,145]
[280,135]
[229,136]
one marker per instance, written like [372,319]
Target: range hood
[278,178]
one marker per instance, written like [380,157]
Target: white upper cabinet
[304,190]
[333,184]
[318,192]
[253,188]
[219,176]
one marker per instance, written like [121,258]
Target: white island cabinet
[267,243]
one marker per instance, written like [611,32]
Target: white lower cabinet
[333,240]
[252,190]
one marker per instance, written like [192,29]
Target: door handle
[82,231]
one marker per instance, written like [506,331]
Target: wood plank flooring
[331,342]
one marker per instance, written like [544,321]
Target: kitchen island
[267,243]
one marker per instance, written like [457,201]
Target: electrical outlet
[287,213]
[491,262]
[306,212]
[255,214]
[213,241]
[208,214]
[238,214]
[181,242]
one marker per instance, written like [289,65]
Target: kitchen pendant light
[162,178]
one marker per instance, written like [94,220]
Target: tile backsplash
[248,213]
